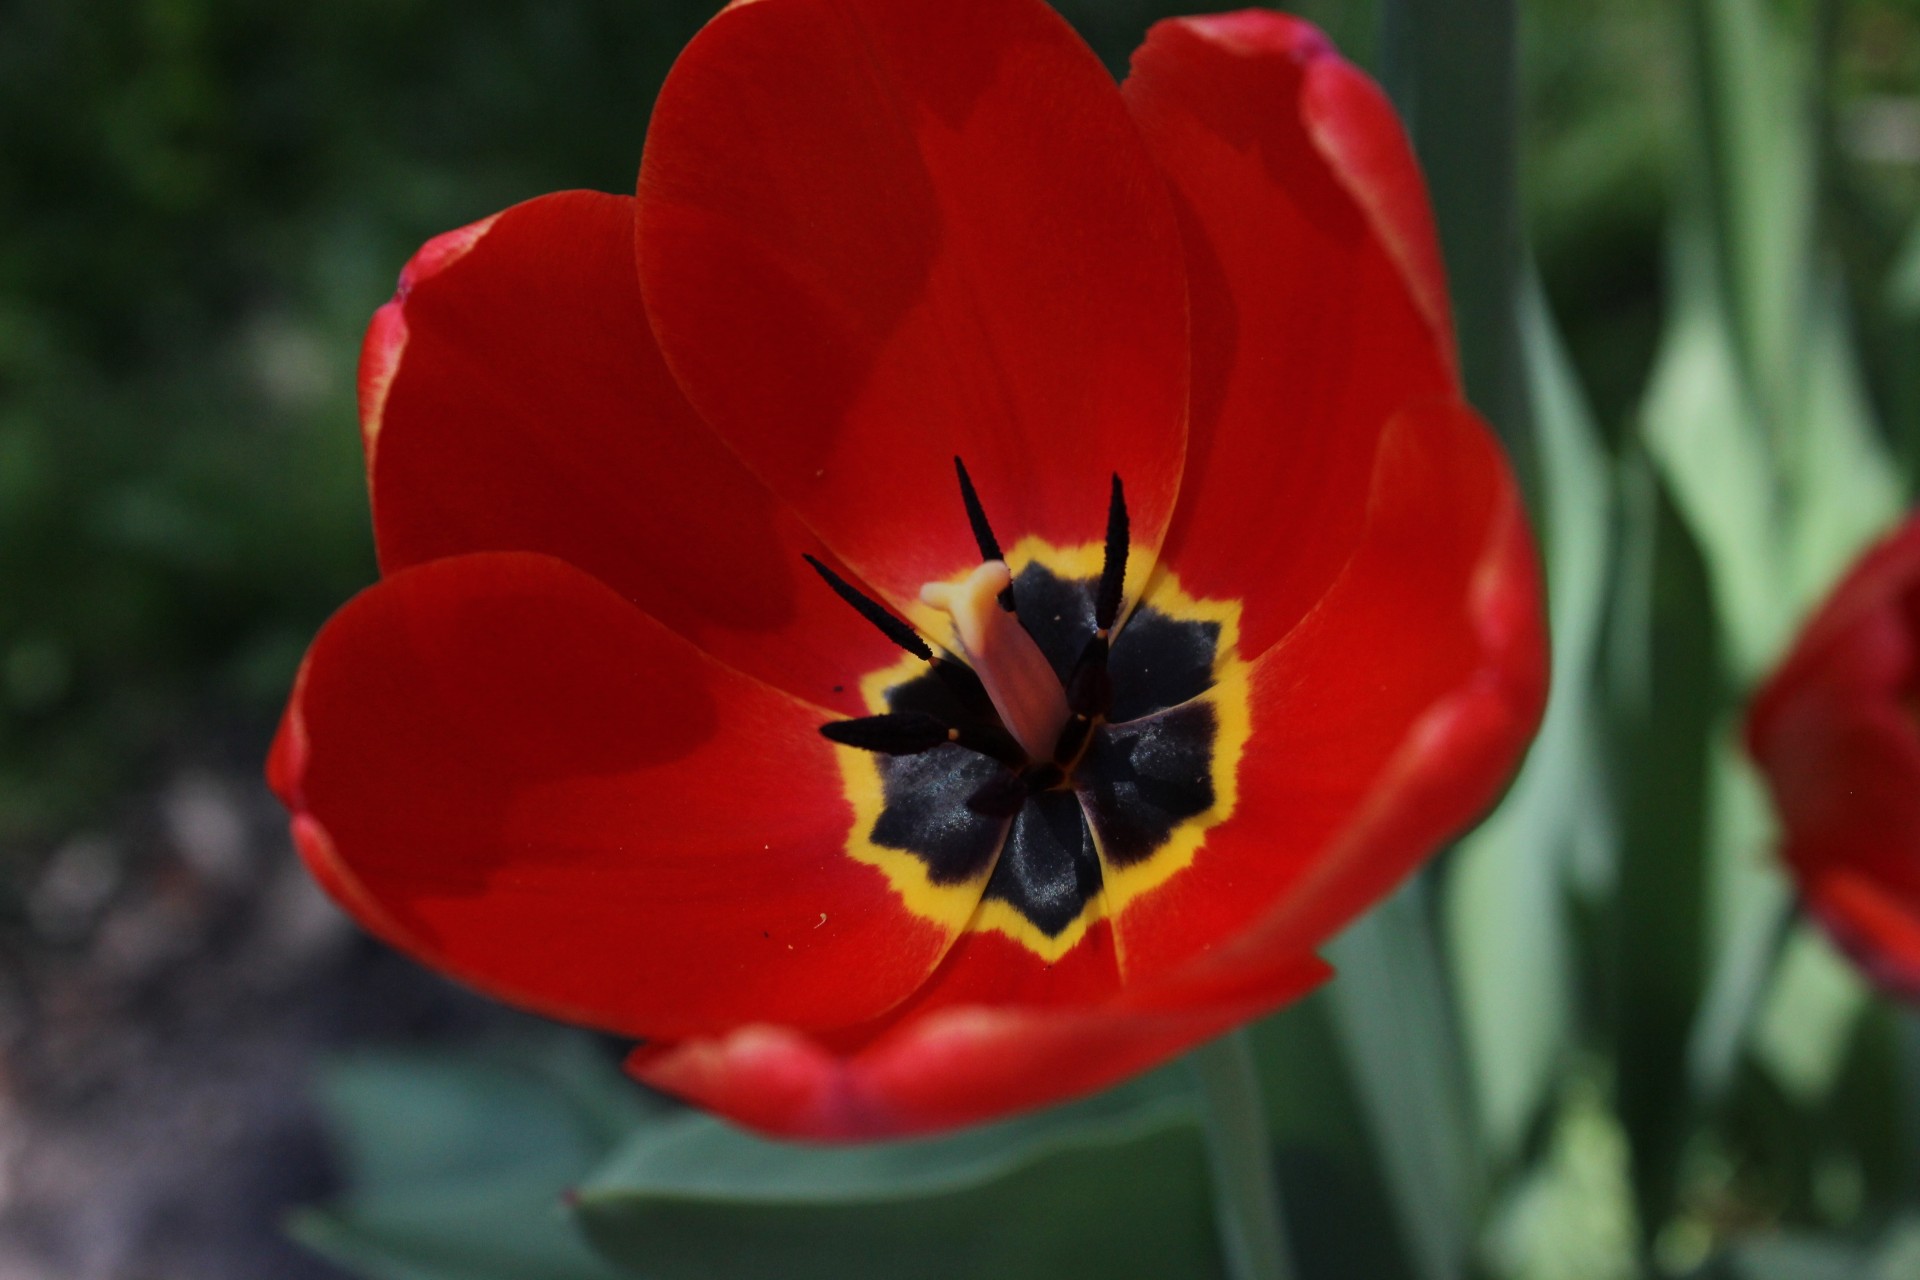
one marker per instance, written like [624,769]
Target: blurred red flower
[570,748]
[1837,731]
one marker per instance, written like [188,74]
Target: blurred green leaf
[1763,434]
[1703,430]
[1903,281]
[1756,412]
[1332,1183]
[1806,1256]
[1112,1186]
[1505,887]
[1666,696]
[1571,1217]
[1799,1257]
[1841,484]
[1807,1024]
[457,1162]
[506,1229]
[1748,909]
[1394,1018]
[1752,80]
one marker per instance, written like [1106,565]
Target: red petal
[503,767]
[874,234]
[513,400]
[1318,303]
[956,1064]
[1837,732]
[1383,723]
[1879,928]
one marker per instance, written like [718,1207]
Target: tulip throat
[1048,765]
[1018,678]
[1013,701]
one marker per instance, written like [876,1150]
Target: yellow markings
[961,906]
[1232,726]
[949,906]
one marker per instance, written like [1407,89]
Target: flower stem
[1246,1197]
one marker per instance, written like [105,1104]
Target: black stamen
[982,531]
[908,733]
[1113,572]
[901,733]
[990,739]
[875,612]
[1089,686]
[976,514]
[1073,737]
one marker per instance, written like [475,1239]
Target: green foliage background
[1593,1044]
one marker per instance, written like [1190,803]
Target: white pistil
[1018,677]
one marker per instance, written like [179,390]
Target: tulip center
[1060,759]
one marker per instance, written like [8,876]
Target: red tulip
[1837,732]
[603,743]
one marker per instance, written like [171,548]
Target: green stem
[1246,1197]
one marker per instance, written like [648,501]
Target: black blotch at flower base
[1147,767]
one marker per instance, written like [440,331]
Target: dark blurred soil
[166,995]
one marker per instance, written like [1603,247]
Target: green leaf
[457,1162]
[1757,413]
[1898,1257]
[1572,1216]
[1749,906]
[1391,1011]
[1704,432]
[1778,470]
[1841,483]
[1666,701]
[1753,87]
[1330,1176]
[505,1228]
[1113,1186]
[1903,279]
[1799,1255]
[1505,889]
[1808,1022]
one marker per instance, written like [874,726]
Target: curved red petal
[1355,127]
[874,234]
[1389,718]
[1837,732]
[1318,308]
[1880,595]
[956,1064]
[503,767]
[513,399]
[1878,927]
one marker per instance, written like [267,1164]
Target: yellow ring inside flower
[957,904]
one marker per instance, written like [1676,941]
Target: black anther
[875,612]
[898,733]
[982,531]
[1113,569]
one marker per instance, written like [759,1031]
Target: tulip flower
[1837,732]
[947,597]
